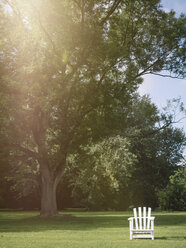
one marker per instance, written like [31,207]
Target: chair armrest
[131,218]
[152,218]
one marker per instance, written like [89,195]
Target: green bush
[174,195]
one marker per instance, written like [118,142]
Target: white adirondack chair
[144,225]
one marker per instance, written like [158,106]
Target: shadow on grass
[37,224]
[161,238]
[20,222]
[170,237]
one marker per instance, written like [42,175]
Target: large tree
[67,65]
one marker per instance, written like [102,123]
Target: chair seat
[143,236]
[142,231]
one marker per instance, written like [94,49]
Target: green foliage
[158,147]
[174,195]
[107,175]
[100,172]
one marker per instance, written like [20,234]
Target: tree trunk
[48,194]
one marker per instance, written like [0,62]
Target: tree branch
[153,132]
[45,31]
[162,75]
[77,3]
[27,151]
[82,14]
[145,71]
[16,11]
[110,12]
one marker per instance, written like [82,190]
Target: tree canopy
[69,71]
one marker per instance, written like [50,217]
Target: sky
[161,89]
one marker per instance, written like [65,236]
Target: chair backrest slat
[135,217]
[140,218]
[144,218]
[148,218]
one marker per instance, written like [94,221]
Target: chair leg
[130,235]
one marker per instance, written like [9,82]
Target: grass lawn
[88,230]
